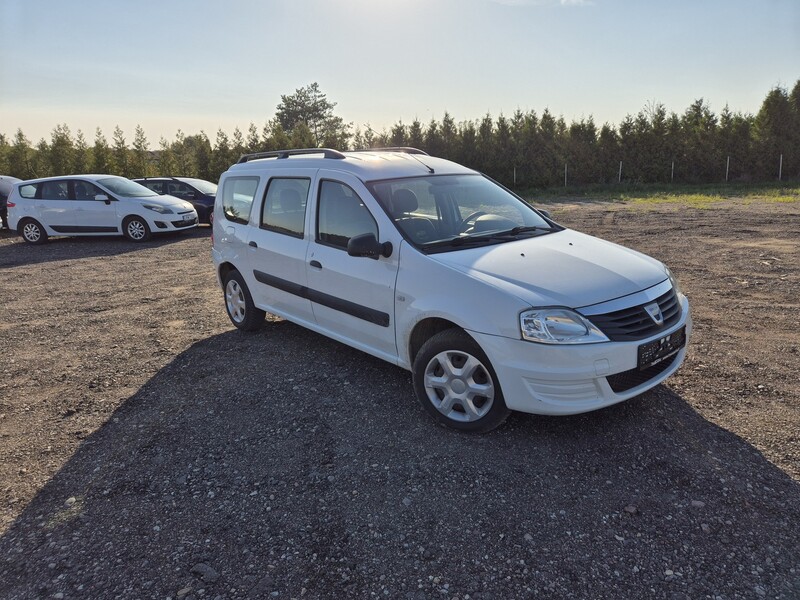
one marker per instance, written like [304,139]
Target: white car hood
[566,268]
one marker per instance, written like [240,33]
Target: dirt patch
[151,451]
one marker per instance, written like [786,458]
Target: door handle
[316,264]
[252,245]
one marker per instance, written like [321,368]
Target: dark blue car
[199,192]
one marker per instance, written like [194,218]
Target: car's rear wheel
[136,229]
[239,304]
[32,232]
[456,383]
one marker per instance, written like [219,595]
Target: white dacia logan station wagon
[436,268]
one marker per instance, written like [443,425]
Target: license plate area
[188,217]
[652,353]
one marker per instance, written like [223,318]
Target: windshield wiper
[464,240]
[488,238]
[524,229]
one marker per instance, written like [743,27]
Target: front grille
[179,224]
[634,323]
[627,380]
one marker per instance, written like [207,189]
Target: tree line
[525,150]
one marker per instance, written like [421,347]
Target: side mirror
[367,245]
[546,213]
[103,198]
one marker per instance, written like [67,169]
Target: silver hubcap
[459,386]
[136,230]
[31,232]
[234,299]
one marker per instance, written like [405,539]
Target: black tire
[136,229]
[32,232]
[239,303]
[467,395]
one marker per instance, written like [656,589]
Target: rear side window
[342,215]
[28,191]
[285,205]
[237,198]
[55,190]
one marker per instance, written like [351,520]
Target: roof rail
[326,152]
[403,149]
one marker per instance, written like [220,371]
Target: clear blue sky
[205,64]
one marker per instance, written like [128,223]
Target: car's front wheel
[32,232]
[136,229]
[239,304]
[456,383]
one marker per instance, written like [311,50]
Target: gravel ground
[151,451]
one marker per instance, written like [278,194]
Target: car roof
[366,165]
[90,177]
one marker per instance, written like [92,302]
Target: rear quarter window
[28,191]
[238,194]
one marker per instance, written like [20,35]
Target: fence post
[619,177]
[780,168]
[515,176]
[565,174]
[727,168]
[672,173]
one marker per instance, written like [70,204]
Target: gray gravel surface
[151,451]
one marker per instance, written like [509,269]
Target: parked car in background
[436,268]
[94,205]
[199,192]
[6,183]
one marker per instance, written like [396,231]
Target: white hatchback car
[438,269]
[93,205]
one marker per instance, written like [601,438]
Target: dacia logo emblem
[654,310]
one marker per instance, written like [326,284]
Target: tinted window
[285,205]
[86,191]
[237,198]
[55,190]
[342,215]
[156,186]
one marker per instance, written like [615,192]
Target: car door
[352,297]
[277,246]
[54,207]
[93,215]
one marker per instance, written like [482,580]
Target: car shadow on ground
[264,465]
[15,252]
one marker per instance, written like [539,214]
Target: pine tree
[140,163]
[101,154]
[119,153]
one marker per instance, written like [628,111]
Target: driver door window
[342,215]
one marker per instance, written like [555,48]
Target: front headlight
[674,281]
[159,209]
[558,326]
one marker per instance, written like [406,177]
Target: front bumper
[565,380]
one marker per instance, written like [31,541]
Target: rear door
[352,297]
[278,243]
[54,207]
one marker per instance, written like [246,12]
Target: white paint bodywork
[482,290]
[95,213]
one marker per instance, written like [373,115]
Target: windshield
[203,186]
[448,211]
[126,188]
